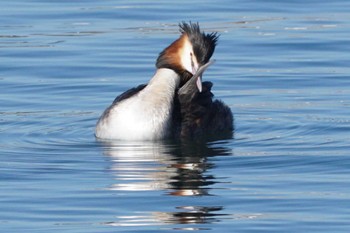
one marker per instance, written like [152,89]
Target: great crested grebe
[175,103]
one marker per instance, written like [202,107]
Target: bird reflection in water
[178,169]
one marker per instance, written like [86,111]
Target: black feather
[129,93]
[203,44]
[198,117]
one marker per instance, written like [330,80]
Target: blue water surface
[281,66]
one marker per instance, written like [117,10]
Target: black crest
[203,44]
[203,47]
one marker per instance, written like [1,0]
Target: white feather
[144,116]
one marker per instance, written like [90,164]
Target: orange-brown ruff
[175,103]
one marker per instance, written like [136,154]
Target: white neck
[146,115]
[162,86]
[157,100]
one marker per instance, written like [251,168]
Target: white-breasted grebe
[175,103]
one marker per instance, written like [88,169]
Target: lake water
[281,66]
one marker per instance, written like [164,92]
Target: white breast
[144,116]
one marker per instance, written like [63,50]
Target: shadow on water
[177,169]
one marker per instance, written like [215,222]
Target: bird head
[188,53]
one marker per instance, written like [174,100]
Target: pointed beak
[198,75]
[195,83]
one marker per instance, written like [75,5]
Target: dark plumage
[200,116]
